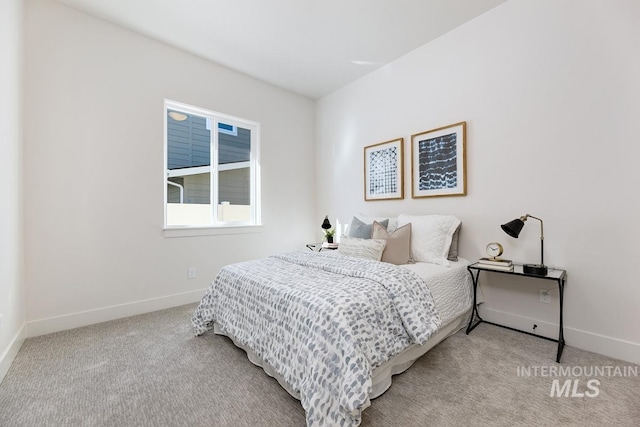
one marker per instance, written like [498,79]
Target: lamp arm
[541,236]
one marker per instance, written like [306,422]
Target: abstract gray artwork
[383,171]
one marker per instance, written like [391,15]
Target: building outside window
[211,168]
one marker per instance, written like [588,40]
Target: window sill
[211,231]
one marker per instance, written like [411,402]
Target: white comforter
[323,321]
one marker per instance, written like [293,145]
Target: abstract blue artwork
[438,162]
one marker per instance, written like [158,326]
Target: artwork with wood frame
[383,173]
[438,162]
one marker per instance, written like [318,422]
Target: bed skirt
[382,375]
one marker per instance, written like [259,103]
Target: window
[211,169]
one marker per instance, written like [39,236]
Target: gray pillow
[361,230]
[453,249]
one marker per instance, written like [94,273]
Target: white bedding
[451,286]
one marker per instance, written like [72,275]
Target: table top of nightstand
[552,273]
[322,245]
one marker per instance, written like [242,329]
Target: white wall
[95,248]
[12,304]
[551,96]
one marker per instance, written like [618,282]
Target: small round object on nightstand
[494,249]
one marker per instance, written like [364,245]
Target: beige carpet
[150,370]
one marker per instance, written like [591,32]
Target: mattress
[450,286]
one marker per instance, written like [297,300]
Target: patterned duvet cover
[323,321]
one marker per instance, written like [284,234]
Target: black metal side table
[318,247]
[554,274]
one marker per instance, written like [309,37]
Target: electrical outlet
[544,296]
[1,320]
[191,273]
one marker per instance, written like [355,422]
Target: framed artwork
[383,170]
[438,162]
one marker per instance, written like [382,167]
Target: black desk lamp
[326,224]
[513,228]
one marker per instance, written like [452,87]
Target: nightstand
[554,274]
[320,246]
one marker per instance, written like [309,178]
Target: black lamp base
[537,269]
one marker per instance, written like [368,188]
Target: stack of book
[326,245]
[496,264]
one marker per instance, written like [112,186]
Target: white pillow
[362,248]
[367,219]
[430,236]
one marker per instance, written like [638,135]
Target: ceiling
[310,47]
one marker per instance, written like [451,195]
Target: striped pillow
[362,248]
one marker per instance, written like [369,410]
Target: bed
[333,327]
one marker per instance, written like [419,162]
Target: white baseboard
[607,346]
[90,317]
[10,353]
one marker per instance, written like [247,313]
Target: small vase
[329,239]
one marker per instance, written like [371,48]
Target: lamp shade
[326,224]
[513,228]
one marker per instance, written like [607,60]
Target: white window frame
[216,226]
